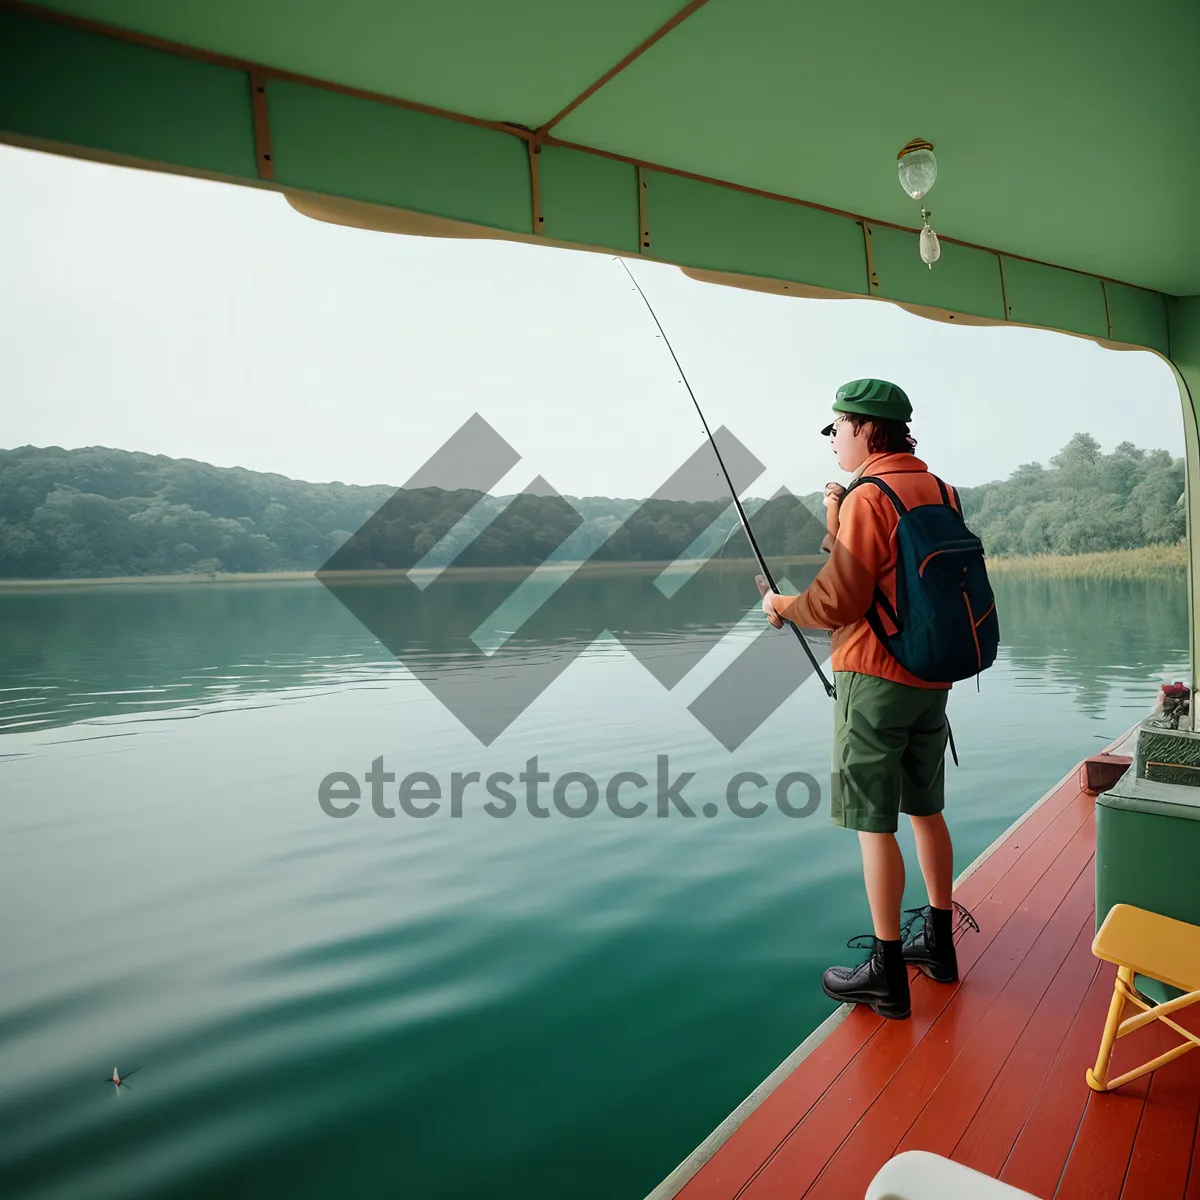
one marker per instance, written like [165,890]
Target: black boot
[881,982]
[928,936]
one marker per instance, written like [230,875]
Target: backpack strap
[871,616]
[956,503]
[884,603]
[897,503]
[880,602]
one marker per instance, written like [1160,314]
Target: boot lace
[864,941]
[910,929]
[867,941]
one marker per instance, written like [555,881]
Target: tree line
[1083,501]
[104,512]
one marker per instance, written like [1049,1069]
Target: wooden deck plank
[736,1162]
[1100,1157]
[1193,1183]
[944,1117]
[1028,950]
[990,1071]
[1040,1152]
[1162,1151]
[796,1164]
[997,1123]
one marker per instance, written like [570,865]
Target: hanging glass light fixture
[918,172]
[930,250]
[917,167]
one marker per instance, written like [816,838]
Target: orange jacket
[863,557]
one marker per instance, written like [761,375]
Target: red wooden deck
[990,1071]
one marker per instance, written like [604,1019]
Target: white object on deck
[919,1175]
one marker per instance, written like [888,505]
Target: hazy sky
[199,320]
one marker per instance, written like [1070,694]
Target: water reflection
[98,653]
[1085,636]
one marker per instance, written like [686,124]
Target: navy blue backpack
[945,614]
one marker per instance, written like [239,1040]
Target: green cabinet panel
[1148,854]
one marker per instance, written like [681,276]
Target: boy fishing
[906,595]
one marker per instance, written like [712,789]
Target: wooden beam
[634,54]
[262,124]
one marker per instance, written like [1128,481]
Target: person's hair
[886,436]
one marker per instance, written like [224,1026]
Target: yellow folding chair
[1145,943]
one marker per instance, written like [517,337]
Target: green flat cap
[871,398]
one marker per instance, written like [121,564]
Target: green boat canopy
[754,137]
[751,142]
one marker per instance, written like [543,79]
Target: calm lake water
[449,1006]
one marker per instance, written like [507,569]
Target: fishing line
[741,512]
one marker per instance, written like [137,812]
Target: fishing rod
[741,512]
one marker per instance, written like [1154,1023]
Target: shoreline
[1144,562]
[587,567]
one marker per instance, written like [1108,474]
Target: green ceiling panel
[963,280]
[69,86]
[718,229]
[1042,295]
[368,150]
[515,60]
[588,199]
[1067,132]
[1138,317]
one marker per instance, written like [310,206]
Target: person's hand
[834,495]
[768,601]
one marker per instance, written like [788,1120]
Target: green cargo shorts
[889,752]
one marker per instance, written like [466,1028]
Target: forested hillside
[1082,501]
[103,512]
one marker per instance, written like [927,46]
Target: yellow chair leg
[1146,1068]
[1097,1077]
